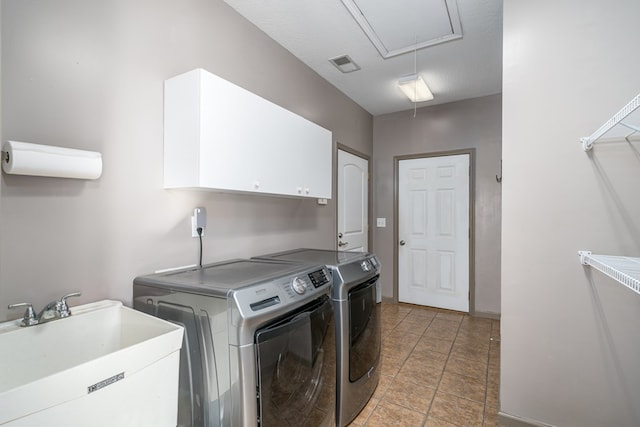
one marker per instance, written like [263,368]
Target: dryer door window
[364,329]
[296,368]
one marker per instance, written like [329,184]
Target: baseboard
[507,420]
[487,315]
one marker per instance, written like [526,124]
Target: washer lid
[220,278]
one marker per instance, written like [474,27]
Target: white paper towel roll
[23,158]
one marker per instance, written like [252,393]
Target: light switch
[381,222]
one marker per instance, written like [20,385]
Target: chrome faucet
[52,311]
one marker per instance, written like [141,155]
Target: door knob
[341,244]
[402,242]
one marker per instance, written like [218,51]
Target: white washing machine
[259,346]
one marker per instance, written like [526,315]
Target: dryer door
[364,329]
[297,368]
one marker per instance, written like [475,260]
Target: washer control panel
[319,278]
[299,286]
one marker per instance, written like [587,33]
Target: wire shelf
[617,122]
[625,270]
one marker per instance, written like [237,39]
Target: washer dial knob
[299,285]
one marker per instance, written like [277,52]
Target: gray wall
[474,123]
[89,74]
[570,338]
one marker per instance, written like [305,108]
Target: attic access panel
[400,26]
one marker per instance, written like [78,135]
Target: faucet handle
[63,308]
[29,318]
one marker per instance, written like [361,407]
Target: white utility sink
[105,365]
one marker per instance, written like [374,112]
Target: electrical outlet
[381,222]
[199,219]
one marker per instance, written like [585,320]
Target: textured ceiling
[317,30]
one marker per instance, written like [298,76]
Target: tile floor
[439,369]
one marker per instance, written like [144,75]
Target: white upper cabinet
[220,136]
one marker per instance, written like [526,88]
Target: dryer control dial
[299,285]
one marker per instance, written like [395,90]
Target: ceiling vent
[344,64]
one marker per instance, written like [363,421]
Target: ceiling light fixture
[415,88]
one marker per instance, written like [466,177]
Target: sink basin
[106,364]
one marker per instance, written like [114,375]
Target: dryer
[356,303]
[259,346]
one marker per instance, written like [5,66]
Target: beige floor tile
[438,345]
[495,328]
[442,329]
[420,373]
[390,364]
[451,316]
[388,414]
[475,323]
[467,367]
[363,416]
[470,351]
[401,340]
[491,417]
[409,395]
[413,325]
[436,422]
[465,387]
[397,352]
[445,323]
[456,410]
[493,394]
[494,359]
[493,374]
[383,384]
[389,324]
[475,334]
[495,346]
[429,358]
[423,312]
[395,310]
[384,332]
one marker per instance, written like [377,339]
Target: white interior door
[353,199]
[433,231]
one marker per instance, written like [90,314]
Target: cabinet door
[308,159]
[241,141]
[317,171]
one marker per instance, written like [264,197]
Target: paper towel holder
[23,158]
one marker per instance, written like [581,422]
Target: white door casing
[353,200]
[433,231]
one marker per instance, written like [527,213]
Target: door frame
[472,228]
[369,204]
